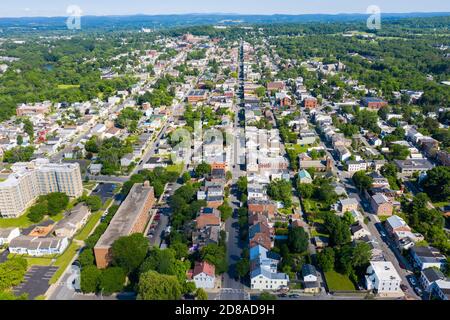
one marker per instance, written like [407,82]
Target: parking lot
[104,191]
[36,281]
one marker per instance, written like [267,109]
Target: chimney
[147,183]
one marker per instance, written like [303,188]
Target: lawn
[87,229]
[68,86]
[338,282]
[34,261]
[21,222]
[64,260]
[178,168]
[298,148]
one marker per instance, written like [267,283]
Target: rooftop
[125,218]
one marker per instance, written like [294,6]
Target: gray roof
[125,218]
[309,269]
[433,274]
[268,274]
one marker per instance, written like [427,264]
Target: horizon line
[225,13]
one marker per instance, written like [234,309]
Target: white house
[262,279]
[203,275]
[6,235]
[383,278]
[73,221]
[35,246]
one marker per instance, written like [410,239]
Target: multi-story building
[39,177]
[383,278]
[132,217]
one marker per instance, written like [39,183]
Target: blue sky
[20,8]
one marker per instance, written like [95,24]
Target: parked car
[418,291]
[412,281]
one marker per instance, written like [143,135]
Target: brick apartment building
[132,217]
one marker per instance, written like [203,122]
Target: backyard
[338,282]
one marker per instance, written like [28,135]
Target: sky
[32,8]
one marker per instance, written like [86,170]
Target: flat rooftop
[125,218]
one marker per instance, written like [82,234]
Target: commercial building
[35,178]
[132,217]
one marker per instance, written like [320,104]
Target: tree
[37,212]
[437,183]
[361,254]
[19,140]
[93,145]
[86,258]
[186,177]
[298,240]
[201,294]
[399,152]
[28,127]
[155,286]
[280,190]
[362,180]
[12,272]
[260,92]
[243,267]
[348,218]
[338,230]
[90,279]
[56,202]
[225,210]
[306,190]
[229,175]
[325,259]
[165,262]
[129,252]
[93,202]
[215,255]
[181,250]
[202,169]
[112,280]
[18,154]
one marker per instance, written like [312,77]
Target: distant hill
[163,21]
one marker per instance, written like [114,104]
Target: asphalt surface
[36,281]
[105,191]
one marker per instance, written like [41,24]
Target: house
[358,231]
[348,204]
[6,235]
[262,279]
[265,207]
[204,275]
[410,166]
[428,278]
[381,205]
[207,217]
[373,103]
[304,177]
[379,181]
[275,86]
[320,242]
[73,221]
[127,160]
[205,236]
[355,166]
[442,289]
[394,224]
[343,153]
[310,279]
[35,246]
[195,96]
[310,103]
[95,168]
[383,278]
[427,257]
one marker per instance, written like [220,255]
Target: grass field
[21,222]
[93,219]
[338,282]
[68,86]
